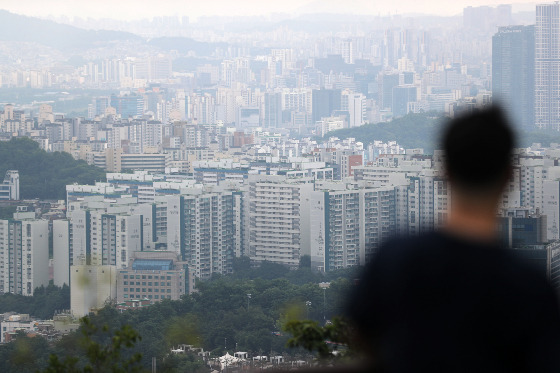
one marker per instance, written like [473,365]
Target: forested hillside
[423,131]
[219,316]
[44,175]
[43,304]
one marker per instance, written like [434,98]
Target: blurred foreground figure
[455,300]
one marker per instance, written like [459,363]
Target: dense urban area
[200,186]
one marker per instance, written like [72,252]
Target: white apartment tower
[278,223]
[355,105]
[24,255]
[208,234]
[348,225]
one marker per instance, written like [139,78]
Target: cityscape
[191,170]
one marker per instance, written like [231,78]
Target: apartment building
[277,227]
[24,254]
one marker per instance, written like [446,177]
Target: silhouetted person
[455,300]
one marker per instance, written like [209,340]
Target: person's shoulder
[407,244]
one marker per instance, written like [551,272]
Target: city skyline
[128,10]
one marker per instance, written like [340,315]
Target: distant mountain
[15,27]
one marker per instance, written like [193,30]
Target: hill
[44,175]
[410,131]
[15,27]
[423,131]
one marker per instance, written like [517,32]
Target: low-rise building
[152,276]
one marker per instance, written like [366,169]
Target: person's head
[478,149]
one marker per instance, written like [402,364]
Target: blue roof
[152,264]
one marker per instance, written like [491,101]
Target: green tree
[25,354]
[305,261]
[183,363]
[44,175]
[332,342]
[100,355]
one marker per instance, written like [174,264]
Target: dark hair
[478,149]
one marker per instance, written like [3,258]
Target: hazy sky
[136,9]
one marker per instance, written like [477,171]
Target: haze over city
[217,181]
[137,9]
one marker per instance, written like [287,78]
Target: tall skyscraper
[273,110]
[513,73]
[324,102]
[387,83]
[547,66]
[402,95]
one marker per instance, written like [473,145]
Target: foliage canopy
[44,175]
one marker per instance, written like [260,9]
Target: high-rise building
[128,105]
[153,68]
[513,73]
[387,83]
[199,226]
[278,219]
[547,65]
[422,204]
[324,102]
[355,105]
[273,110]
[347,226]
[208,233]
[24,255]
[402,95]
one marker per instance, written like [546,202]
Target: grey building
[324,102]
[402,95]
[513,73]
[273,110]
[387,83]
[547,65]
